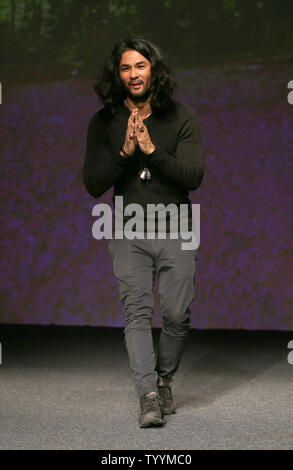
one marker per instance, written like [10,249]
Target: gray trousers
[135,265]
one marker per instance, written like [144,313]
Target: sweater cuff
[156,155]
[119,160]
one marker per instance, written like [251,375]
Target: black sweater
[176,166]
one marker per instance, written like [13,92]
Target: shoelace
[149,402]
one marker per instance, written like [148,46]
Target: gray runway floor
[71,388]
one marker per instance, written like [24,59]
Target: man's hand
[142,136]
[130,137]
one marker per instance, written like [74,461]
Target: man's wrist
[123,153]
[152,149]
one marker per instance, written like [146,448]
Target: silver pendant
[144,174]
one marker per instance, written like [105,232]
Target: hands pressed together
[137,133]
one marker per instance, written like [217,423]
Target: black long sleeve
[187,169]
[102,167]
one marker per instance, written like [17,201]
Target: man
[147,145]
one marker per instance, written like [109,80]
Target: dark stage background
[233,61]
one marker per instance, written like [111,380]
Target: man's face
[134,69]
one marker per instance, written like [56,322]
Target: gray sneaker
[151,413]
[165,392]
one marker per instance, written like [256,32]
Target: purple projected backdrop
[54,271]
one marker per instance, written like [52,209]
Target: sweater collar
[126,111]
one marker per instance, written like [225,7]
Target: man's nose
[133,73]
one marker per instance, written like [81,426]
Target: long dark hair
[163,83]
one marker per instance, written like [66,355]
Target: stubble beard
[139,98]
